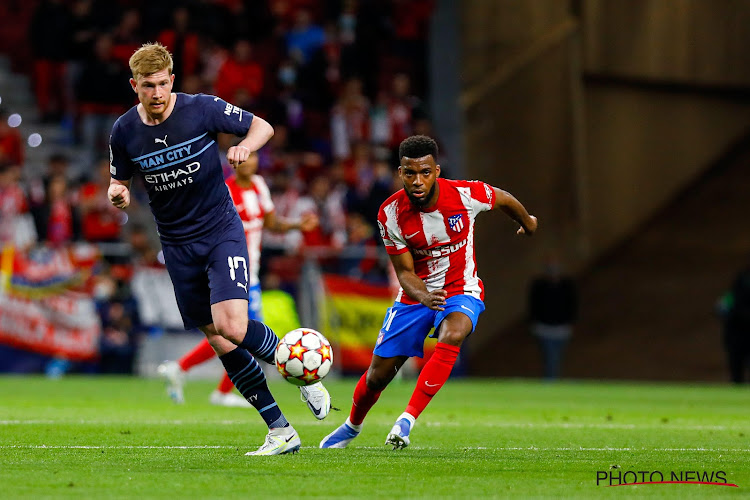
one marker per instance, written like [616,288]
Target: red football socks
[364,398]
[200,353]
[434,374]
[226,385]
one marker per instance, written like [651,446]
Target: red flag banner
[42,307]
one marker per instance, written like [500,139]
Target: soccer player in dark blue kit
[170,140]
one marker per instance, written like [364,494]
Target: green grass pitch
[99,437]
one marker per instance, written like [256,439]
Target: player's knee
[232,329]
[377,381]
[452,336]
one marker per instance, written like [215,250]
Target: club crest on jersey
[456,222]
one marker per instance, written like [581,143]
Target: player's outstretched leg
[432,377]
[399,435]
[261,342]
[342,436]
[364,398]
[248,378]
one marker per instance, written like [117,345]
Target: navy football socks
[247,376]
[260,341]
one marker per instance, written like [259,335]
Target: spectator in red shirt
[239,78]
[182,43]
[11,145]
[13,209]
[100,220]
[57,221]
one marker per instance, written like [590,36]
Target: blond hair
[149,59]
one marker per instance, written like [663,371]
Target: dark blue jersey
[179,162]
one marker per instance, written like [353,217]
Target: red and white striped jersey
[440,239]
[252,203]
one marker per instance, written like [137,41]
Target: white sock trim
[357,428]
[408,416]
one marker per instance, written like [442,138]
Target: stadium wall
[595,114]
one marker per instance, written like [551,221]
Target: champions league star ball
[304,356]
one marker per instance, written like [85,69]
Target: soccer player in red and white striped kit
[428,232]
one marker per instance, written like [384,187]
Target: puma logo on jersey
[163,141]
[242,285]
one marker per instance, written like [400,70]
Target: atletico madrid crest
[456,222]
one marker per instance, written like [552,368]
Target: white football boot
[399,435]
[317,398]
[175,378]
[278,442]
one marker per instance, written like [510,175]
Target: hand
[119,195]
[530,229]
[237,155]
[434,300]
[308,222]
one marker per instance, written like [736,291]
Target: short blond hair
[149,59]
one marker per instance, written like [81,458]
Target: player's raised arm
[413,285]
[257,136]
[119,193]
[516,211]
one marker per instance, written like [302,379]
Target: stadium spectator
[433,257]
[102,94]
[360,259]
[16,224]
[285,196]
[553,309]
[403,108]
[118,341]
[11,145]
[305,38]
[240,78]
[184,45]
[349,119]
[50,36]
[200,230]
[57,220]
[126,36]
[327,204]
[736,316]
[100,221]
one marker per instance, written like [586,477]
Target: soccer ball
[304,356]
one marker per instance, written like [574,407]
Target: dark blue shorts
[208,271]
[406,326]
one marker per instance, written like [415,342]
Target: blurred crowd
[342,81]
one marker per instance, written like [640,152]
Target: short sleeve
[221,116]
[482,195]
[394,241]
[264,195]
[120,166]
